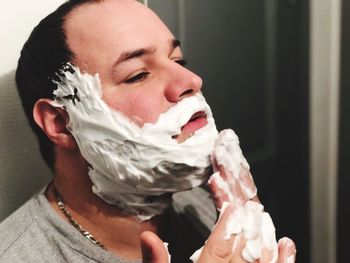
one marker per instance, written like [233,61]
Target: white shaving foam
[223,185]
[166,245]
[133,167]
[290,259]
[255,226]
[248,219]
[196,255]
[228,154]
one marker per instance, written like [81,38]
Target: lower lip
[195,125]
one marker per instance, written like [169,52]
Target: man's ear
[53,121]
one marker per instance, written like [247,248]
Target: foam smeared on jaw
[132,167]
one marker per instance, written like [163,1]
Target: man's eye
[181,62]
[139,77]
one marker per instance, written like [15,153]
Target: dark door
[343,230]
[253,58]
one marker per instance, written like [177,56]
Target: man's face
[136,57]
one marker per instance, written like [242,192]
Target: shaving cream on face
[131,167]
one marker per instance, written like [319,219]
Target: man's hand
[217,249]
[234,184]
[232,181]
[153,249]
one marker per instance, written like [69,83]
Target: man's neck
[117,233]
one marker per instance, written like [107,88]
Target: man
[140,75]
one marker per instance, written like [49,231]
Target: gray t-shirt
[36,233]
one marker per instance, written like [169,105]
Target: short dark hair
[43,55]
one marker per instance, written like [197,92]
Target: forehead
[112,26]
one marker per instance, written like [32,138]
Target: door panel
[253,58]
[343,215]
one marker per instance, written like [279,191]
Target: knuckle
[221,250]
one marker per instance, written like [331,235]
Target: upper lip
[198,114]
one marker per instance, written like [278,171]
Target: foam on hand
[228,154]
[255,226]
[248,219]
[135,168]
[166,246]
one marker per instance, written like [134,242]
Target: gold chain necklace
[74,223]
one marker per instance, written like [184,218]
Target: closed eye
[139,77]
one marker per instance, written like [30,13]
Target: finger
[234,185]
[218,247]
[153,249]
[247,183]
[219,194]
[225,190]
[240,190]
[238,247]
[221,190]
[286,250]
[256,199]
[229,161]
[266,256]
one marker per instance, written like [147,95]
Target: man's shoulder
[35,233]
[15,230]
[28,234]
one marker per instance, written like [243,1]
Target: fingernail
[289,245]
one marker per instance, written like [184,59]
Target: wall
[324,113]
[21,168]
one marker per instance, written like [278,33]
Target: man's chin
[183,136]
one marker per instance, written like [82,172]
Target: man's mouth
[197,121]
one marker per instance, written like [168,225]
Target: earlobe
[53,121]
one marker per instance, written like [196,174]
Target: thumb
[153,249]
[220,244]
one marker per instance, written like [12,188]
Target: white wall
[22,171]
[17,19]
[325,18]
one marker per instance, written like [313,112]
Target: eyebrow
[143,52]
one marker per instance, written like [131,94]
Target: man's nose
[182,83]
